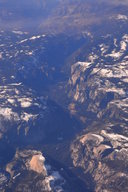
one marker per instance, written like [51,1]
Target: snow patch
[8,114]
[19,32]
[122,17]
[26,116]
[25,102]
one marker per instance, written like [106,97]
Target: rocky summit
[63,96]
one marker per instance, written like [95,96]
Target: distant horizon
[49,16]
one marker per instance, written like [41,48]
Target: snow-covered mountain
[63,96]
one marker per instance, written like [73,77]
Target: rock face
[36,164]
[100,82]
[63,91]
[104,156]
[32,173]
[98,91]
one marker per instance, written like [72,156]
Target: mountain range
[63,96]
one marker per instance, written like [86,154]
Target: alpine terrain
[63,96]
